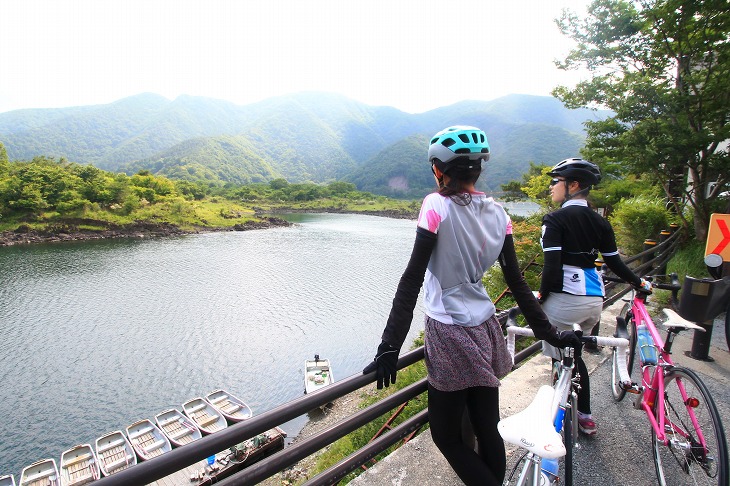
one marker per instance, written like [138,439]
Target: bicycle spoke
[692,455]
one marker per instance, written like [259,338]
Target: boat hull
[178,427]
[232,408]
[205,416]
[40,473]
[317,375]
[114,453]
[79,466]
[147,440]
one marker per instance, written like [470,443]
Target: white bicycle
[537,428]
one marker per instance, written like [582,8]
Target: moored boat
[178,427]
[232,408]
[79,466]
[7,480]
[317,374]
[40,473]
[205,415]
[147,439]
[114,453]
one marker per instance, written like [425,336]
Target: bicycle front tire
[684,460]
[616,390]
[570,432]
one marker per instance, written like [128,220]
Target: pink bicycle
[688,440]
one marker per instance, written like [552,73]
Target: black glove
[386,364]
[564,339]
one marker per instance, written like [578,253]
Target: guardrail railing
[652,261]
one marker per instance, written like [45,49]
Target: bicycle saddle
[532,428]
[675,320]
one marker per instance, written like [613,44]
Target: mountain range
[303,137]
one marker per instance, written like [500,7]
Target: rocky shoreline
[72,230]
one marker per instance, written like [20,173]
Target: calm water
[94,336]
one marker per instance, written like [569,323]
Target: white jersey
[471,235]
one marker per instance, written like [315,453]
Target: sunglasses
[556,181]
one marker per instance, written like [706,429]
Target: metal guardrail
[180,458]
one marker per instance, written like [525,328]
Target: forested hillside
[306,137]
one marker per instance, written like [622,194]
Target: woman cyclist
[572,290]
[460,233]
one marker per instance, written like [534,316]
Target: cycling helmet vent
[577,169]
[459,141]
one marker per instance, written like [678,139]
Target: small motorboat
[79,466]
[231,407]
[205,415]
[147,440]
[7,480]
[40,473]
[178,427]
[317,374]
[114,453]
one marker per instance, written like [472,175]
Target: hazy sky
[415,55]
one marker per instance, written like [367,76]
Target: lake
[96,335]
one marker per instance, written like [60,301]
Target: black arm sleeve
[552,273]
[623,272]
[527,302]
[401,314]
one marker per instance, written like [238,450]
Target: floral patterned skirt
[459,357]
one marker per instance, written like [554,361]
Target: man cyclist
[571,290]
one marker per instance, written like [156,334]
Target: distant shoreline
[69,231]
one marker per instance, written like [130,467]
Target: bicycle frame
[652,380]
[560,404]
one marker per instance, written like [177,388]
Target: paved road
[619,455]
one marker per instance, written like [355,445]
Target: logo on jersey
[575,278]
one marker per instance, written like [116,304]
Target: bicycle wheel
[727,326]
[570,435]
[616,390]
[684,460]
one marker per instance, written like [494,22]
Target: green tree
[516,189]
[4,162]
[663,67]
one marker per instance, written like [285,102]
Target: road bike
[687,436]
[536,429]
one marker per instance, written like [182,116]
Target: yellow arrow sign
[718,236]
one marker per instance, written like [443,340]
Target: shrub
[636,219]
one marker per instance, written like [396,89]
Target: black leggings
[445,412]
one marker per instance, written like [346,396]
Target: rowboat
[40,473]
[177,427]
[79,466]
[7,480]
[231,407]
[205,415]
[114,453]
[317,374]
[147,440]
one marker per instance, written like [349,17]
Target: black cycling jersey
[572,238]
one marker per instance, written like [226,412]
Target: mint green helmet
[464,143]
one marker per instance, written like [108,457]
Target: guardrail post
[648,245]
[702,300]
[663,235]
[701,341]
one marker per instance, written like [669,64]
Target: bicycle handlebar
[622,344]
[674,286]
